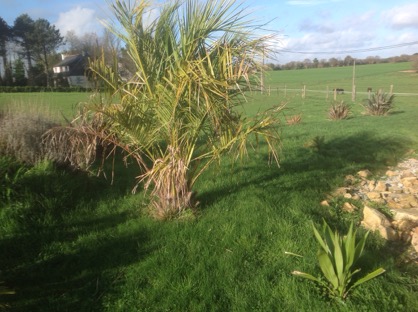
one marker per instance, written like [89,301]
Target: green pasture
[72,241]
[375,76]
[60,104]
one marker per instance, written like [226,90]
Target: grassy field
[376,76]
[62,104]
[73,242]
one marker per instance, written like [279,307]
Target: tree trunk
[172,191]
[46,65]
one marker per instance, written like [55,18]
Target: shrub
[379,104]
[316,144]
[337,257]
[339,111]
[293,120]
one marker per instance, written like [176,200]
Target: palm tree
[176,115]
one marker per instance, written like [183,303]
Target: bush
[339,111]
[379,104]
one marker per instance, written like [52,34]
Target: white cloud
[403,16]
[80,20]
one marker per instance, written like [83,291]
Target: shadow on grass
[69,242]
[317,170]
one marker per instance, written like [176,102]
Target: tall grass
[71,241]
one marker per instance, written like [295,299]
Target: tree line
[339,62]
[29,49]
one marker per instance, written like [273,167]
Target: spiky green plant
[338,257]
[339,111]
[176,115]
[379,104]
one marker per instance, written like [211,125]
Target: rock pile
[396,192]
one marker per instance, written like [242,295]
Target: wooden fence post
[327,93]
[285,91]
[353,93]
[335,94]
[304,91]
[391,89]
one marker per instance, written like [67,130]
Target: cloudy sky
[307,28]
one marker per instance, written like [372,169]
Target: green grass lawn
[62,104]
[73,242]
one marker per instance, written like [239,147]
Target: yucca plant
[339,111]
[338,257]
[293,120]
[176,116]
[380,103]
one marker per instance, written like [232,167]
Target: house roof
[76,65]
[70,60]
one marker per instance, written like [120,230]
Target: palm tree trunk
[171,186]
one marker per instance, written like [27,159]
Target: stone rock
[324,203]
[380,186]
[407,173]
[364,173]
[397,190]
[373,195]
[408,201]
[349,207]
[414,238]
[391,173]
[405,214]
[350,180]
[371,185]
[341,191]
[374,220]
[409,181]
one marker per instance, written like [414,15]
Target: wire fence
[268,90]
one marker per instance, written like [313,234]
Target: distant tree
[19,73]
[323,63]
[269,66]
[333,62]
[45,40]
[5,35]
[348,60]
[315,63]
[372,59]
[38,73]
[22,34]
[88,43]
[307,63]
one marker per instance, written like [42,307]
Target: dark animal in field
[369,89]
[339,90]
